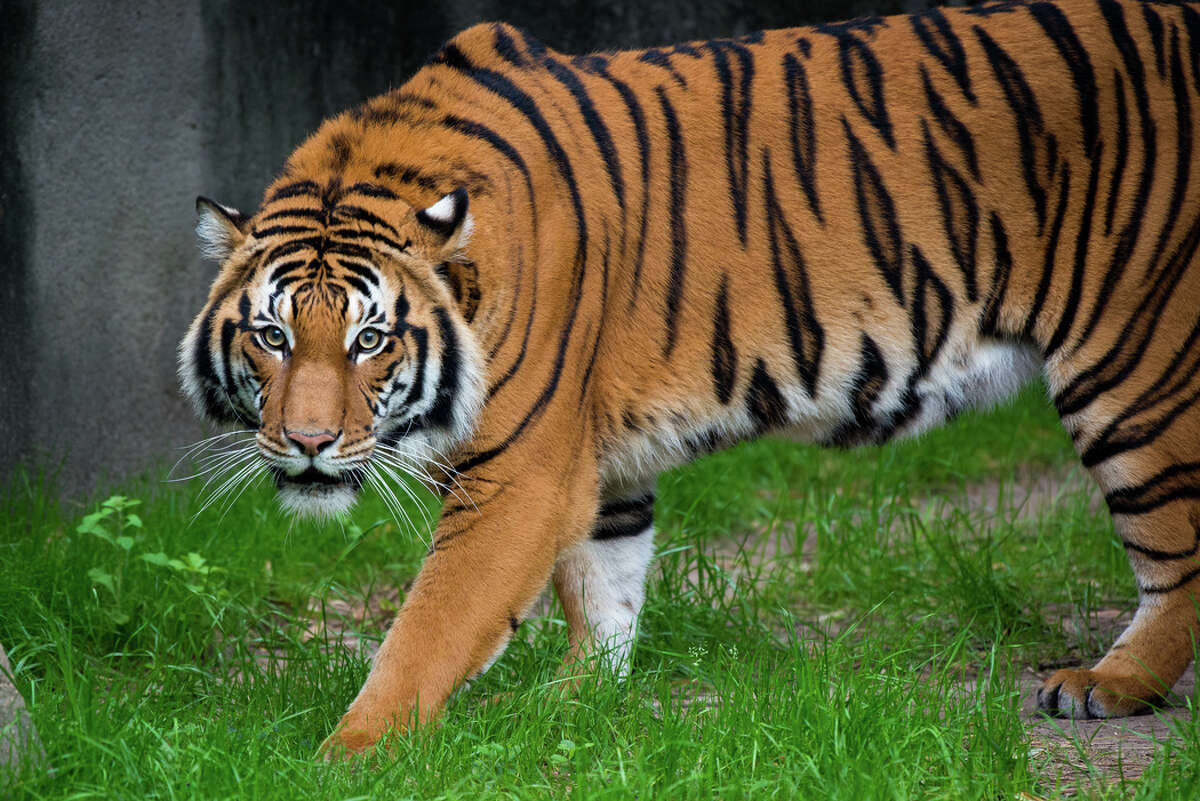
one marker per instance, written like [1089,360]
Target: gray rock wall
[114,116]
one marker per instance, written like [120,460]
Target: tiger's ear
[220,228]
[447,224]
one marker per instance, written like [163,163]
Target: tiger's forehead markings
[334,239]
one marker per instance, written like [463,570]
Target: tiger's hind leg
[1144,458]
[601,583]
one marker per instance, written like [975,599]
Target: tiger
[537,280]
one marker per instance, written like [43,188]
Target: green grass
[829,670]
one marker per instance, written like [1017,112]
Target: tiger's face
[334,332]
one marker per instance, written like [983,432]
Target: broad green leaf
[99,576]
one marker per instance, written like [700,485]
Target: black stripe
[358,284]
[990,320]
[506,48]
[1028,119]
[627,506]
[678,166]
[931,313]
[598,334]
[724,356]
[516,365]
[1122,435]
[481,132]
[1043,288]
[802,128]
[764,402]
[344,233]
[213,394]
[1163,589]
[660,59]
[360,214]
[805,334]
[1118,172]
[940,40]
[1177,482]
[627,518]
[283,230]
[735,113]
[316,215]
[598,66]
[643,142]
[349,249]
[868,385]
[1164,556]
[1071,308]
[1191,21]
[401,311]
[500,85]
[366,273]
[1115,18]
[595,125]
[1125,355]
[881,230]
[1183,151]
[294,190]
[228,330]
[1056,26]
[281,269]
[960,214]
[1155,25]
[421,342]
[371,190]
[442,412]
[951,125]
[293,246]
[863,78]
[340,145]
[407,174]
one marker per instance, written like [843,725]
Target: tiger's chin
[316,499]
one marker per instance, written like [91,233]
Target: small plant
[120,528]
[123,529]
[192,569]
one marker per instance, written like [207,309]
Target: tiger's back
[851,232]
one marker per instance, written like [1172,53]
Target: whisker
[237,469]
[390,500]
[206,444]
[384,468]
[250,478]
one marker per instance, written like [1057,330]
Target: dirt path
[1076,754]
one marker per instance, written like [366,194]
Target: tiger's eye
[274,337]
[368,339]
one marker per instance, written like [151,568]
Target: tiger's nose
[311,444]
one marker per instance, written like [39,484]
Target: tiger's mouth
[314,493]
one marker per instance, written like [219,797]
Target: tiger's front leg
[492,556]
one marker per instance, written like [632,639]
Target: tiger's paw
[352,738]
[1083,694]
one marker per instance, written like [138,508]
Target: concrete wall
[115,115]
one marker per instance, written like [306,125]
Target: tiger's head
[337,330]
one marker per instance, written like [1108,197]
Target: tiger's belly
[967,376]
